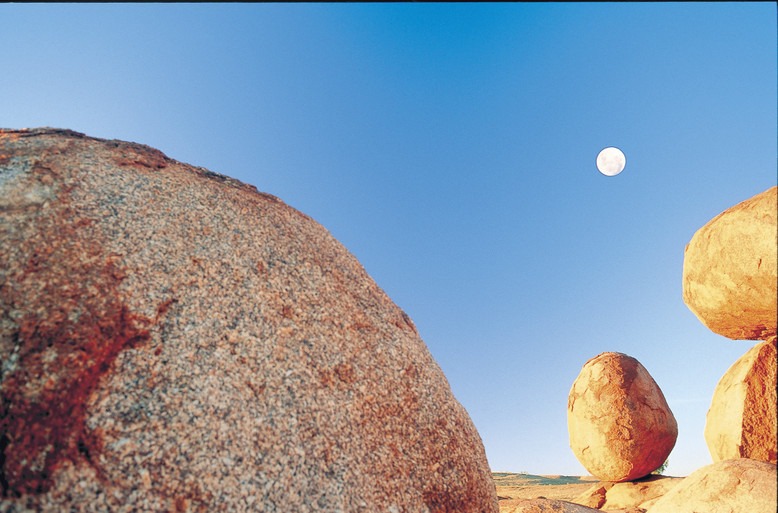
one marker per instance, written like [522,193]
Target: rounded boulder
[618,420]
[730,270]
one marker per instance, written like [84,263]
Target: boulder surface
[636,494]
[742,421]
[730,270]
[631,494]
[727,486]
[174,340]
[542,505]
[619,423]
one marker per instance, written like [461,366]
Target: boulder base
[633,494]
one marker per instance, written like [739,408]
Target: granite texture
[174,340]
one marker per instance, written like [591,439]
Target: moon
[611,161]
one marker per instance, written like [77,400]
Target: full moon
[611,161]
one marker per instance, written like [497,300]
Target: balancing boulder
[619,423]
[730,270]
[173,340]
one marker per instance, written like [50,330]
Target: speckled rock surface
[742,421]
[618,420]
[173,340]
[730,270]
[728,486]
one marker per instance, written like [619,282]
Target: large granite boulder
[619,423]
[727,486]
[730,270]
[742,421]
[173,340]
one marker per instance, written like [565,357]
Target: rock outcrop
[730,270]
[728,486]
[632,494]
[594,497]
[173,340]
[545,506]
[742,421]
[619,423]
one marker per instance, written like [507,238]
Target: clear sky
[451,148]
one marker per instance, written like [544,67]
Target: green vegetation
[526,479]
[661,468]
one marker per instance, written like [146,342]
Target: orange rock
[172,339]
[636,494]
[594,497]
[742,421]
[619,423]
[727,486]
[730,270]
[542,505]
[632,494]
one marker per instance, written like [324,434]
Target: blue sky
[451,148]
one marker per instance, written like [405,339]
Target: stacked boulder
[729,270]
[620,425]
[730,277]
[741,422]
[174,340]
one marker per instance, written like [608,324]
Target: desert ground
[529,486]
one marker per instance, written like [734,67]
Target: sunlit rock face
[631,494]
[173,340]
[727,486]
[742,420]
[618,420]
[730,278]
[730,270]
